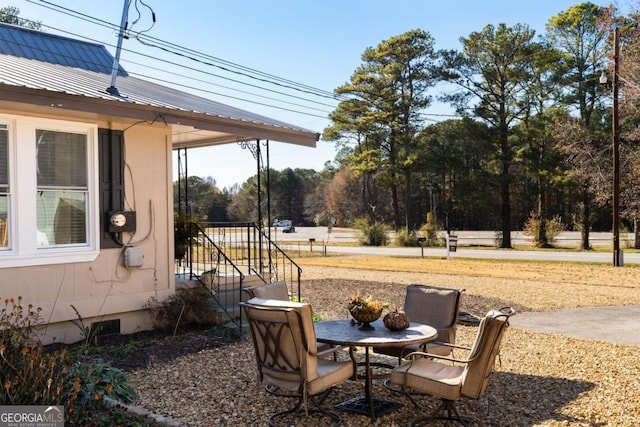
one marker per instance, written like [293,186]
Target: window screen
[61,188]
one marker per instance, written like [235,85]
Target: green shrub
[406,238]
[554,227]
[430,232]
[30,375]
[92,383]
[371,234]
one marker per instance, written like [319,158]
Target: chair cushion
[330,373]
[430,377]
[484,352]
[270,302]
[274,302]
[433,306]
[275,290]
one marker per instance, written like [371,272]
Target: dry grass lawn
[538,285]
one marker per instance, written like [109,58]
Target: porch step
[228,296]
[219,317]
[224,282]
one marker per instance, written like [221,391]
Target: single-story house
[86,199]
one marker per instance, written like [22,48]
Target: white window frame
[23,247]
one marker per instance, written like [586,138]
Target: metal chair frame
[270,356]
[448,406]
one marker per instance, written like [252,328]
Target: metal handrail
[293,264]
[220,253]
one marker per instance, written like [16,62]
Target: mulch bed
[142,349]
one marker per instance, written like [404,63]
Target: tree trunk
[586,220]
[505,179]
[505,211]
[408,208]
[366,200]
[396,207]
[541,239]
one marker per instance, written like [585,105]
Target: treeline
[531,145]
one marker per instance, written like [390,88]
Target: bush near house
[31,374]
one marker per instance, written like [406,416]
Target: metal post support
[452,244]
[421,240]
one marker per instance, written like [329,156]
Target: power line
[243,99]
[212,64]
[210,61]
[224,87]
[203,81]
[192,54]
[219,76]
[153,78]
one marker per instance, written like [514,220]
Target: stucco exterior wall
[103,289]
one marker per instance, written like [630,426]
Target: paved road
[569,239]
[604,257]
[616,324]
[484,238]
[620,325]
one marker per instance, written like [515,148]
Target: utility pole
[615,130]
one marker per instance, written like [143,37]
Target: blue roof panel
[31,44]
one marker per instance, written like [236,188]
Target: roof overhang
[189,129]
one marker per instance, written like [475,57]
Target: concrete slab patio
[620,324]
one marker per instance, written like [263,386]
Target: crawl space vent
[106,328]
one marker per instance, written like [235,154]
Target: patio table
[346,333]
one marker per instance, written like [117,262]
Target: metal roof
[32,44]
[45,69]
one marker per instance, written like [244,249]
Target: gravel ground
[540,379]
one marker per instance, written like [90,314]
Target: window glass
[61,218]
[61,188]
[4,222]
[4,163]
[62,159]
[4,186]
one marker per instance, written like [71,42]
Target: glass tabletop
[346,332]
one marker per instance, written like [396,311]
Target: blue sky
[316,43]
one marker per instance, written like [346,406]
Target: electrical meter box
[133,257]
[119,221]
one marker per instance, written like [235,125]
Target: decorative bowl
[365,314]
[365,309]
